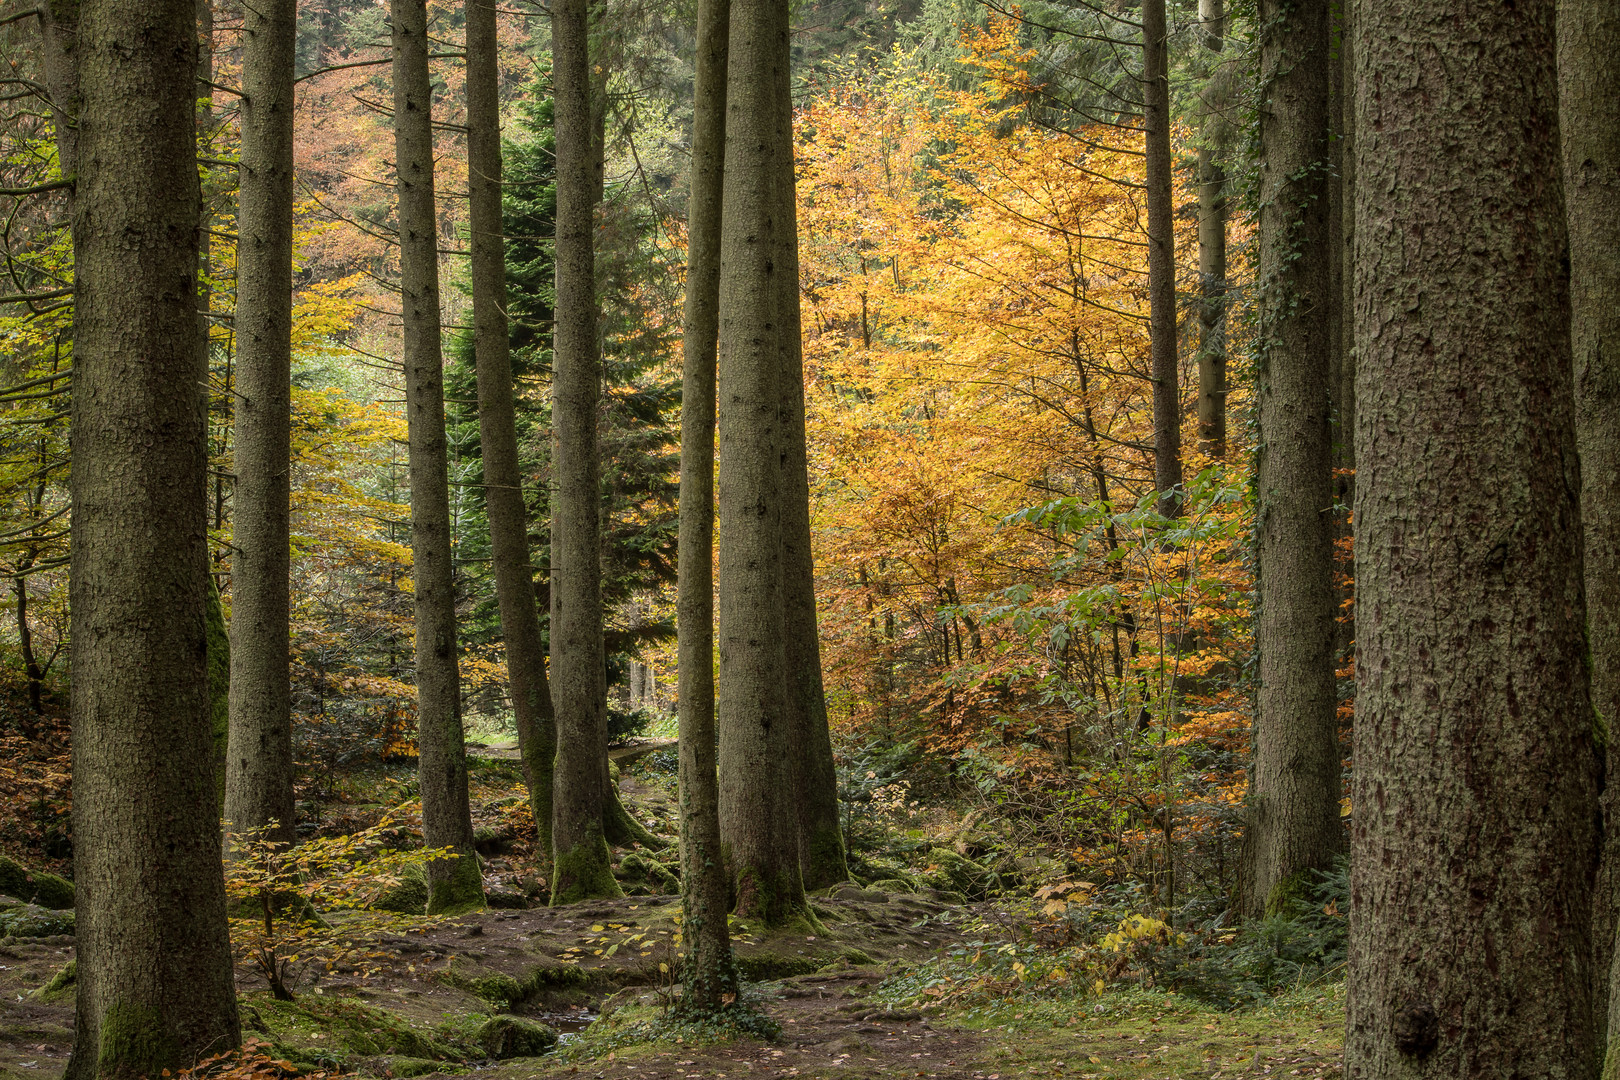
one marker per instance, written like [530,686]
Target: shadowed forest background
[1059,776]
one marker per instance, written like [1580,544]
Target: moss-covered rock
[31,920]
[409,897]
[512,1036]
[855,892]
[957,873]
[34,886]
[892,885]
[60,986]
[636,869]
[411,1066]
[505,991]
[490,841]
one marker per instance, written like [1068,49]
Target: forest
[847,538]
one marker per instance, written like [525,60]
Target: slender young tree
[155,985]
[581,866]
[259,758]
[758,825]
[1475,753]
[1212,241]
[453,884]
[711,972]
[1588,87]
[1293,825]
[497,424]
[1161,256]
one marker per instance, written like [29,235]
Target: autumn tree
[1293,827]
[579,689]
[453,884]
[155,986]
[758,341]
[705,891]
[1473,716]
[259,771]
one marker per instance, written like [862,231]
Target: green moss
[823,859]
[33,921]
[958,873]
[62,984]
[893,885]
[1289,894]
[34,886]
[636,868]
[350,1026]
[409,897]
[455,886]
[412,1066]
[622,829]
[134,1041]
[584,872]
[511,1037]
[768,966]
[504,991]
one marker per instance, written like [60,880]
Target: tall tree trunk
[156,989]
[497,425]
[1589,86]
[1293,824]
[1212,245]
[579,680]
[711,972]
[1161,256]
[759,827]
[814,776]
[1476,764]
[1341,344]
[453,884]
[259,770]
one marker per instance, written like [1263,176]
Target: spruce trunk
[1589,87]
[581,867]
[1475,758]
[814,776]
[711,972]
[155,986]
[1293,824]
[759,826]
[1212,246]
[453,884]
[1161,257]
[259,758]
[497,425]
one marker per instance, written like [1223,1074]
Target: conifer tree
[1475,751]
[453,884]
[155,988]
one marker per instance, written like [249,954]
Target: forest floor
[422,997]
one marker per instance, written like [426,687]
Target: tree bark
[1212,246]
[711,971]
[259,770]
[1293,824]
[758,826]
[453,884]
[155,985]
[1475,756]
[578,667]
[814,775]
[1589,86]
[1161,257]
[497,425]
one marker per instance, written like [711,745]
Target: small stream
[568,1023]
